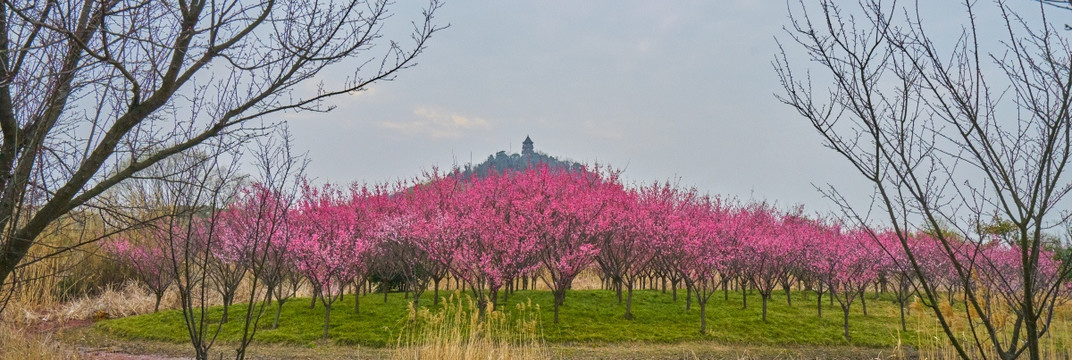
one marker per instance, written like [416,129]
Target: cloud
[435,123]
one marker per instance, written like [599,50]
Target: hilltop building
[526,147]
[529,157]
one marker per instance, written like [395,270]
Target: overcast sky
[664,90]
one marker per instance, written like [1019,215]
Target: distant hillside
[528,157]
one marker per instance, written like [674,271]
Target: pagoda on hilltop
[502,161]
[526,147]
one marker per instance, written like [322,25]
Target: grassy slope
[589,316]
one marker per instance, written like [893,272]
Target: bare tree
[950,134]
[268,206]
[95,92]
[192,189]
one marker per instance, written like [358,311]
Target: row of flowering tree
[553,223]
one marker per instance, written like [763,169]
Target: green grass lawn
[588,316]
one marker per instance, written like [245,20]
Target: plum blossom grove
[499,233]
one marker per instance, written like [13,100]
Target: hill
[528,157]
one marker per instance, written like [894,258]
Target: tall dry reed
[18,344]
[457,331]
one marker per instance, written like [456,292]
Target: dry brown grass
[127,300]
[19,344]
[457,332]
[114,301]
[1055,344]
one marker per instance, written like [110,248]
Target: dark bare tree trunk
[159,296]
[846,324]
[819,303]
[327,319]
[558,300]
[688,297]
[765,308]
[904,326]
[863,302]
[618,289]
[703,316]
[435,294]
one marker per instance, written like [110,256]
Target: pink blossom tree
[768,247]
[709,233]
[565,211]
[147,260]
[430,204]
[847,266]
[402,246]
[695,232]
[324,244]
[233,250]
[255,231]
[627,253]
[490,245]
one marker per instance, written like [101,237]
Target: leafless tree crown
[956,136]
[94,92]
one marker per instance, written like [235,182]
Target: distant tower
[526,147]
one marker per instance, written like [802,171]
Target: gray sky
[664,90]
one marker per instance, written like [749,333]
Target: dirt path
[102,354]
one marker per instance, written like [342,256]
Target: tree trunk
[688,297]
[819,303]
[357,302]
[703,316]
[555,311]
[482,307]
[847,338]
[629,305]
[416,304]
[435,298]
[765,308]
[200,353]
[560,298]
[159,296]
[278,310]
[863,302]
[327,319]
[904,327]
[618,289]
